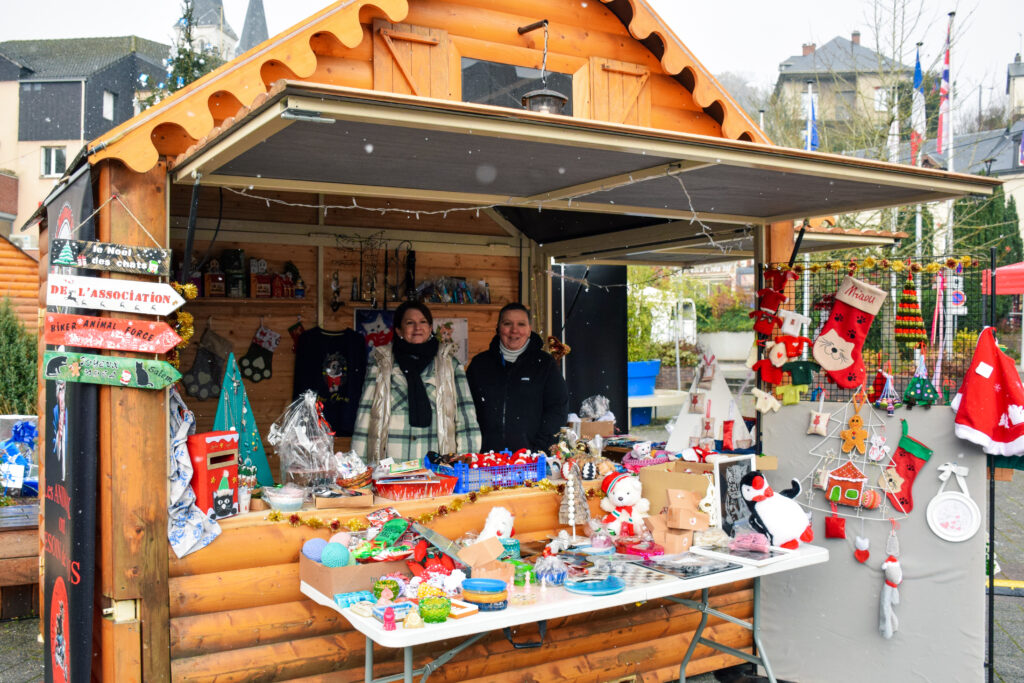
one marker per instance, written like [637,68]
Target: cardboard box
[482,559]
[673,540]
[588,428]
[658,480]
[332,580]
[363,500]
[683,512]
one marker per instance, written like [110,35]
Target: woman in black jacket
[520,395]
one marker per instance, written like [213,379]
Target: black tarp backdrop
[595,328]
[69,530]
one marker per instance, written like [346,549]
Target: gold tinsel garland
[884,264]
[183,322]
[360,524]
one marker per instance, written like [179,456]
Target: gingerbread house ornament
[845,485]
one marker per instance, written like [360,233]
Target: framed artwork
[455,330]
[375,326]
[728,473]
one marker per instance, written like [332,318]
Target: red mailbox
[215,472]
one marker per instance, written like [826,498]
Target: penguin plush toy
[776,514]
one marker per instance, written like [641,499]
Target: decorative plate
[953,516]
[606,586]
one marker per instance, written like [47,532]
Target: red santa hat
[990,404]
[609,482]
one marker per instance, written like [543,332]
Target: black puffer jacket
[518,405]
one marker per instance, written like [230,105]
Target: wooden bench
[19,561]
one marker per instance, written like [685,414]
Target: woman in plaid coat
[416,398]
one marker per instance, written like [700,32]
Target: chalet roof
[839,56]
[188,115]
[78,57]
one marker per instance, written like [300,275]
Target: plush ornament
[642,450]
[792,323]
[793,345]
[878,450]
[897,479]
[697,399]
[876,387]
[770,300]
[835,526]
[888,624]
[769,373]
[776,515]
[314,548]
[989,406]
[887,397]
[499,524]
[625,505]
[589,471]
[854,436]
[765,402]
[801,371]
[334,555]
[819,419]
[790,393]
[776,354]
[837,348]
[861,550]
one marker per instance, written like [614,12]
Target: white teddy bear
[499,524]
[625,505]
[642,450]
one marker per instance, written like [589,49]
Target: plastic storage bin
[640,377]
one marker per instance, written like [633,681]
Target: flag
[1020,152]
[917,114]
[811,132]
[945,120]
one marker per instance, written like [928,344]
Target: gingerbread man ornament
[855,435]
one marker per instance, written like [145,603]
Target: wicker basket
[358,481]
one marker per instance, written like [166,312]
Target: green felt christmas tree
[909,323]
[235,412]
[920,391]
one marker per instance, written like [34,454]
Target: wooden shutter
[411,59]
[620,92]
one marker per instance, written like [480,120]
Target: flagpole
[810,108]
[947,342]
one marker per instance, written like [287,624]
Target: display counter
[237,613]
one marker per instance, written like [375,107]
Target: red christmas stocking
[837,348]
[898,478]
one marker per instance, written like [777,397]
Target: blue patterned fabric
[188,529]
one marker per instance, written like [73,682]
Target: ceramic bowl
[283,501]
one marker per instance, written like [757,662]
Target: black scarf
[413,360]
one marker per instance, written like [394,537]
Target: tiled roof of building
[78,57]
[838,56]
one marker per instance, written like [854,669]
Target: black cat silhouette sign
[117,371]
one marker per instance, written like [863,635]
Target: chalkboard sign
[728,473]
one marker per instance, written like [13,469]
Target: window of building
[504,85]
[109,105]
[846,102]
[881,99]
[53,162]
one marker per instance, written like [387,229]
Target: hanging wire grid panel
[951,336]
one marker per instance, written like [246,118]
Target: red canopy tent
[1009,279]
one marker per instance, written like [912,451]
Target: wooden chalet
[20,282]
[356,121]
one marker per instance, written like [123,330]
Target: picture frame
[728,472]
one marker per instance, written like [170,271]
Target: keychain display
[953,515]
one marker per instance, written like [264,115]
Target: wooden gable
[626,67]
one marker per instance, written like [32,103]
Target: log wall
[237,615]
[20,282]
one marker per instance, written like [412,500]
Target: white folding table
[558,602]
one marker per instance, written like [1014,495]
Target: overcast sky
[745,37]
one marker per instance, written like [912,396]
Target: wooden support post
[132,543]
[778,242]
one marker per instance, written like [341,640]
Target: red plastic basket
[445,487]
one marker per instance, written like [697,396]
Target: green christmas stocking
[257,362]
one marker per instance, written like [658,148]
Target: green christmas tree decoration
[235,412]
[66,257]
[920,391]
[909,327]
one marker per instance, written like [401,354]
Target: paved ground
[21,655]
